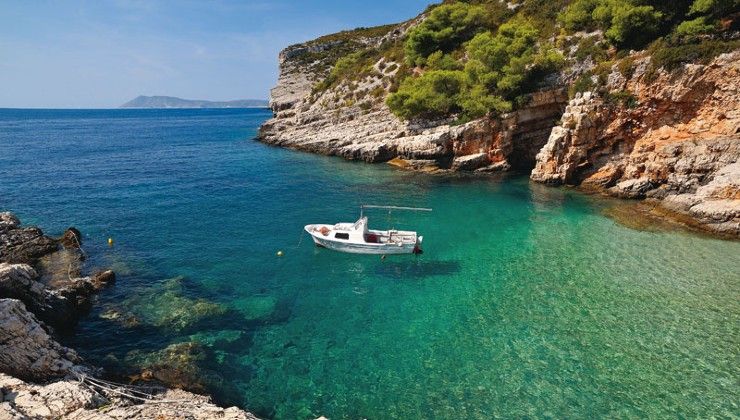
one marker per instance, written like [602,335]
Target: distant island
[172,102]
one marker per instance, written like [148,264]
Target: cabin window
[339,235]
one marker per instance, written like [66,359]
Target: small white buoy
[110,241]
[280,253]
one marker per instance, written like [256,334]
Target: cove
[528,300]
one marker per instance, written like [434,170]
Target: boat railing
[371,206]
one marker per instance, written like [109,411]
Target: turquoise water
[528,301]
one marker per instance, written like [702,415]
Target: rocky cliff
[670,137]
[41,292]
[351,120]
[676,141]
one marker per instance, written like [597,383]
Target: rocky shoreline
[43,292]
[670,137]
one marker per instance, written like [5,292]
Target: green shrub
[579,15]
[584,83]
[626,66]
[588,46]
[624,98]
[694,27]
[500,69]
[439,61]
[432,95]
[351,67]
[714,8]
[633,26]
[506,62]
[377,92]
[446,27]
[635,23]
[670,55]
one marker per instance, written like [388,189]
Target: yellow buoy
[110,241]
[280,253]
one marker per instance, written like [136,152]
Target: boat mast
[369,206]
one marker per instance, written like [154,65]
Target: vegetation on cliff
[469,58]
[473,58]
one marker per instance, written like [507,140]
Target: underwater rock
[178,365]
[168,307]
[125,319]
[103,279]
[29,305]
[255,308]
[52,290]
[72,238]
[57,268]
[218,338]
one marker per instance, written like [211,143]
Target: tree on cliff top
[446,27]
[498,69]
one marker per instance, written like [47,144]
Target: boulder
[26,348]
[470,162]
[72,238]
[58,307]
[103,279]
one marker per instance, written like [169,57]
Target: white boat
[356,238]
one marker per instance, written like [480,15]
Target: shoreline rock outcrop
[363,128]
[40,378]
[677,142]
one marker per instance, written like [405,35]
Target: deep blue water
[528,301]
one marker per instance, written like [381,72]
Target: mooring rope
[82,251]
[128,391]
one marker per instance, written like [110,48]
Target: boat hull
[363,248]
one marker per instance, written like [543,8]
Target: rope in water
[82,251]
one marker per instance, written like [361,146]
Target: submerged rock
[72,238]
[120,316]
[57,268]
[218,338]
[178,365]
[166,306]
[255,308]
[103,279]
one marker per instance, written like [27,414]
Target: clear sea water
[528,302]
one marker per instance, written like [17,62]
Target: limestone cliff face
[351,120]
[678,142]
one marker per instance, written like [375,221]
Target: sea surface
[528,301]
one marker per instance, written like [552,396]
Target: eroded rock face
[58,307]
[47,279]
[22,245]
[352,121]
[26,349]
[679,145]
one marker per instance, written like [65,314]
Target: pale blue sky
[101,53]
